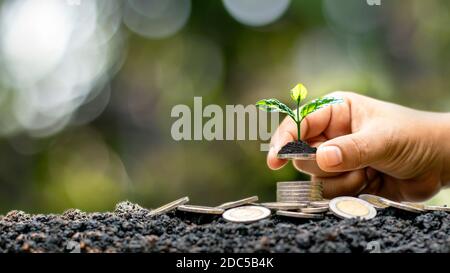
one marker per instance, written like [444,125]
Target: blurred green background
[87,88]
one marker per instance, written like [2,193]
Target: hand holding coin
[367,146]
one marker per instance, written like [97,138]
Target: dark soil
[297,147]
[130,229]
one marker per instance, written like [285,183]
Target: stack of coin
[299,191]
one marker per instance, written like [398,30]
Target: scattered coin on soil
[315,210]
[284,206]
[299,214]
[351,207]
[182,233]
[374,200]
[233,204]
[437,208]
[418,206]
[169,207]
[200,209]
[401,206]
[246,214]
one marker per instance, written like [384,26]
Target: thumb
[351,152]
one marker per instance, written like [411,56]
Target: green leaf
[318,104]
[274,105]
[299,93]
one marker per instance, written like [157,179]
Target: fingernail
[332,155]
[272,150]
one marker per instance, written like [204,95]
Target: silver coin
[374,200]
[299,188]
[304,187]
[308,190]
[351,207]
[291,202]
[298,199]
[400,206]
[284,206]
[301,194]
[246,214]
[294,201]
[233,204]
[200,209]
[319,204]
[170,206]
[299,191]
[437,208]
[302,156]
[315,210]
[416,205]
[299,214]
[298,183]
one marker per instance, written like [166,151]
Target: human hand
[370,146]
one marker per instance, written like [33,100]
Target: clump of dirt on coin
[130,228]
[297,147]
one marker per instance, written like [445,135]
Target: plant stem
[299,121]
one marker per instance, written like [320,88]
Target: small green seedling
[298,94]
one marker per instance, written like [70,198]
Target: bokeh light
[353,16]
[53,55]
[34,38]
[156,19]
[256,12]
